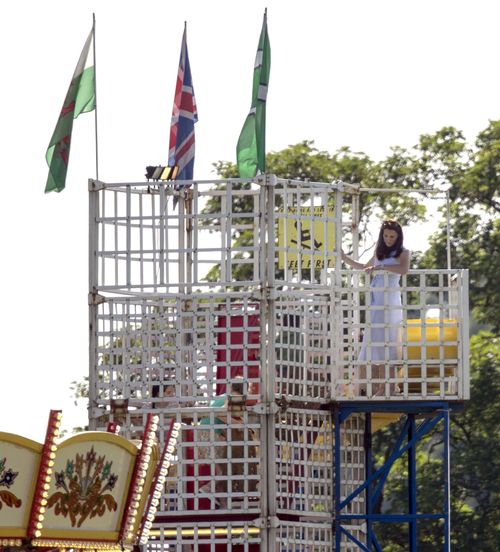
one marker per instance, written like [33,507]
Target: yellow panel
[379,421]
[20,458]
[433,336]
[382,419]
[306,235]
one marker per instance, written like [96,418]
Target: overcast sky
[365,74]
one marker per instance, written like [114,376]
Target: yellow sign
[306,237]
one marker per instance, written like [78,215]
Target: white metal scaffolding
[231,314]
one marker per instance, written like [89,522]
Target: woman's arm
[355,264]
[401,268]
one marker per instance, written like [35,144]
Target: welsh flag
[251,148]
[79,99]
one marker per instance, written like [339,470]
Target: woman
[382,336]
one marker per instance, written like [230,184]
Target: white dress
[382,335]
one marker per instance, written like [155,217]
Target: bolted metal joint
[95,185]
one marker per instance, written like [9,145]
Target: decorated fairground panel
[93,490]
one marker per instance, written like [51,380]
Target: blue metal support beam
[425,428]
[368,472]
[446,478]
[412,484]
[372,487]
[336,521]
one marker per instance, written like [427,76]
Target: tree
[475,445]
[303,161]
[472,176]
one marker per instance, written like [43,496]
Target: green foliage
[475,442]
[442,157]
[475,244]
[480,185]
[80,389]
[305,162]
[80,394]
[430,535]
[472,177]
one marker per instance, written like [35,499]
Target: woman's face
[390,237]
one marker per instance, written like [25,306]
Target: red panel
[237,354]
[237,362]
[197,472]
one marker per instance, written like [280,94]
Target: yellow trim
[103,436]
[31,496]
[92,545]
[21,441]
[14,532]
[11,542]
[78,534]
[202,532]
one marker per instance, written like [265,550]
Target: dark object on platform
[160,172]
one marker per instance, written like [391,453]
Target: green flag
[79,99]
[251,148]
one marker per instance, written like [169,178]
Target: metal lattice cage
[231,314]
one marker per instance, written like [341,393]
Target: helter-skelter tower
[232,314]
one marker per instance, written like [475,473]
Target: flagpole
[95,103]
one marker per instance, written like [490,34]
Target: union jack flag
[184,116]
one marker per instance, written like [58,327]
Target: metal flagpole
[448,242]
[95,102]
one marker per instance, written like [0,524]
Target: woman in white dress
[381,339]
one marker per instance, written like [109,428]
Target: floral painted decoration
[7,477]
[82,488]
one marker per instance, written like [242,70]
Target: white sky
[363,73]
